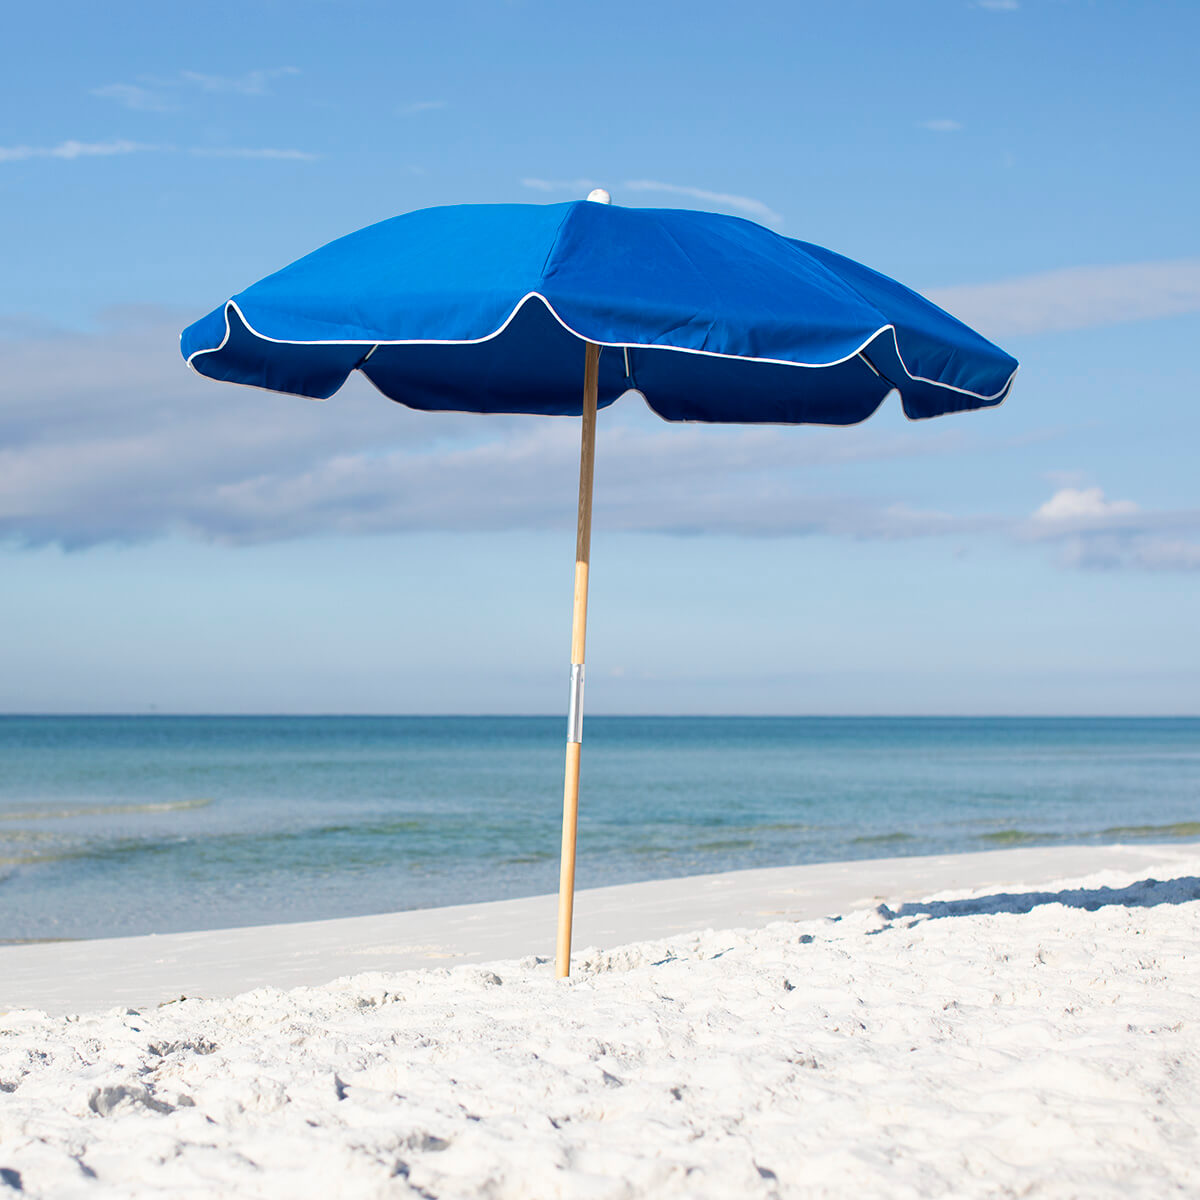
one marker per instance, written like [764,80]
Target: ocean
[153,824]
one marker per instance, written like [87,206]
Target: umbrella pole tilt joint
[583,544]
[575,705]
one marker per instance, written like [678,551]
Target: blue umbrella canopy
[482,308]
[491,308]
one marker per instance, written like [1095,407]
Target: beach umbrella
[510,308]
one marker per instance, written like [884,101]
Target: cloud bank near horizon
[106,437]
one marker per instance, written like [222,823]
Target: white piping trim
[782,362]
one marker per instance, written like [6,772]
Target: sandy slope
[1039,1043]
[142,972]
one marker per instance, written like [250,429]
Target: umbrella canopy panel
[482,308]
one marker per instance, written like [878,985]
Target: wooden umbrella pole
[583,544]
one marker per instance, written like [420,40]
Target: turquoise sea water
[120,825]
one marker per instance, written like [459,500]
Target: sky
[168,544]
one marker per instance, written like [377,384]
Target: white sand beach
[1015,1023]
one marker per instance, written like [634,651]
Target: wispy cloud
[941,125]
[72,150]
[744,204]
[142,98]
[1076,297]
[245,152]
[131,95]
[998,5]
[581,186]
[1168,554]
[1129,551]
[252,83]
[420,106]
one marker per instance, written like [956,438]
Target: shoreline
[60,977]
[1017,1022]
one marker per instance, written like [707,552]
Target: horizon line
[533,716]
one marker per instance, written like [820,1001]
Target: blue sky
[175,545]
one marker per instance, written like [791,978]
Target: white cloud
[1095,533]
[941,125]
[243,152]
[253,83]
[71,150]
[998,5]
[1083,504]
[1076,297]
[745,204]
[132,96]
[420,106]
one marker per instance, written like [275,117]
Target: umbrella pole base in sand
[583,542]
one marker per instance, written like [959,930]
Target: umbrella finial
[600,196]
